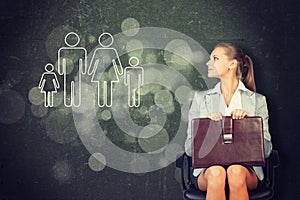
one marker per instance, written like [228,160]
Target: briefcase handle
[227,130]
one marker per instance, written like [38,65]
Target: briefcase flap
[228,141]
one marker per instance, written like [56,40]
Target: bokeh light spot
[105,115]
[39,110]
[62,171]
[35,96]
[130,26]
[59,126]
[97,162]
[12,106]
[163,98]
[154,143]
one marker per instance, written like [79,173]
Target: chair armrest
[272,162]
[183,162]
[274,159]
[179,160]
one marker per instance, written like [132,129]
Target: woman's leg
[240,180]
[213,180]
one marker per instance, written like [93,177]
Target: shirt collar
[217,88]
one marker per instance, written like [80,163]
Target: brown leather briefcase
[226,142]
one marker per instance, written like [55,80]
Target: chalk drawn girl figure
[49,85]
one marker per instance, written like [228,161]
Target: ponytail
[245,70]
[247,73]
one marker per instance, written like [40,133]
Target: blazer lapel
[248,102]
[212,102]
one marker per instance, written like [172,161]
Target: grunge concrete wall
[38,164]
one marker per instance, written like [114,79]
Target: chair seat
[264,190]
[192,194]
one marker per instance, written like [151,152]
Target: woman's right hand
[216,116]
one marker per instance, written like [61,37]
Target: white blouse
[235,102]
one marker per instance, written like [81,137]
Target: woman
[234,95]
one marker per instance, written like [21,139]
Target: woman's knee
[215,172]
[216,176]
[236,175]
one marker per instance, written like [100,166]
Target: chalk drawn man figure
[105,57]
[49,85]
[72,63]
[134,79]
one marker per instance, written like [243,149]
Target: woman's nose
[208,63]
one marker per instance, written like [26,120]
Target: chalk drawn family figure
[74,58]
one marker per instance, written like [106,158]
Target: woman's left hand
[239,114]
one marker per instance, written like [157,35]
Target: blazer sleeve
[194,112]
[262,111]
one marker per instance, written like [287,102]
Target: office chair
[264,190]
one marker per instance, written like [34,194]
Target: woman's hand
[239,114]
[235,114]
[216,116]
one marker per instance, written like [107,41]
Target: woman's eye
[216,58]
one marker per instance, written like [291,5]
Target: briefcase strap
[227,130]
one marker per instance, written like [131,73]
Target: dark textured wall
[34,166]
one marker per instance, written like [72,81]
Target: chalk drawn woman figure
[105,57]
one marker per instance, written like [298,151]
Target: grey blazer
[206,102]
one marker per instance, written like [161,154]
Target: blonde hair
[245,71]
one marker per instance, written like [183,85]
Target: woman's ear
[233,64]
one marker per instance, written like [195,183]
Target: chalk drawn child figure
[134,79]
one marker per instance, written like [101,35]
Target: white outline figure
[102,58]
[48,85]
[71,50]
[134,79]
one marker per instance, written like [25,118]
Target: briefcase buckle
[227,138]
[227,130]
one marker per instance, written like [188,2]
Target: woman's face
[219,63]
